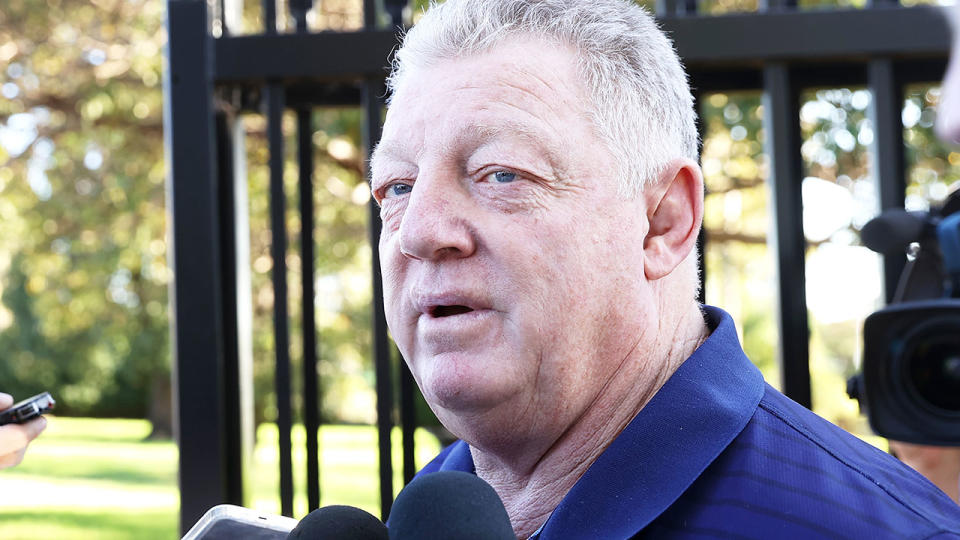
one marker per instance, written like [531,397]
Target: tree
[81,187]
[82,223]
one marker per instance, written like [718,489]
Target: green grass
[98,479]
[348,471]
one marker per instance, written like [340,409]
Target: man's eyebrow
[474,136]
[385,151]
[515,129]
[548,144]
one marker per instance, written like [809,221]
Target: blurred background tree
[82,252]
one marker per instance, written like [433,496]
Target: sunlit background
[84,269]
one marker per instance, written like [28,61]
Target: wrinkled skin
[498,196]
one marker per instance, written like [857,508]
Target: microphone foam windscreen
[449,504]
[339,523]
[891,231]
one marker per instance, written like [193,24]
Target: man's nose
[436,223]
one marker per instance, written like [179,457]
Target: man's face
[512,270]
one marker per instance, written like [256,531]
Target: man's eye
[396,190]
[503,177]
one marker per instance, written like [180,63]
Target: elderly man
[541,200]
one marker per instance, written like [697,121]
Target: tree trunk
[161,409]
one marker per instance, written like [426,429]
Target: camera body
[910,385]
[911,372]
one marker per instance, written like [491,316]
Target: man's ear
[674,212]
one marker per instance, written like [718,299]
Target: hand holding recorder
[20,424]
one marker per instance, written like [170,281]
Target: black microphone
[339,523]
[449,504]
[893,230]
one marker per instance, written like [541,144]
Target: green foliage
[83,310]
[933,167]
[82,252]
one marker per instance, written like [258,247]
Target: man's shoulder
[789,469]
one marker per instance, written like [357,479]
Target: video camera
[910,384]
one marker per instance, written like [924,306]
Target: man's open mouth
[447,311]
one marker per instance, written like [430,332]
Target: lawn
[98,479]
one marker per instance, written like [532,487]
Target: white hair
[642,106]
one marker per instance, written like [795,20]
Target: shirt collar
[662,451]
[687,424]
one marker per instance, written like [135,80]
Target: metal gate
[212,77]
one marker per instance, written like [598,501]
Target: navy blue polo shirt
[718,453]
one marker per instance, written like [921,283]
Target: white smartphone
[228,522]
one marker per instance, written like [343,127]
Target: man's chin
[460,401]
[464,402]
[494,430]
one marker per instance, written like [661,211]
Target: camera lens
[932,362]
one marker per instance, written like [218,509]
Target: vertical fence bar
[408,422]
[232,384]
[394,9]
[777,5]
[299,8]
[381,344]
[782,124]
[270,16]
[311,396]
[195,294]
[665,8]
[408,417]
[888,159]
[278,250]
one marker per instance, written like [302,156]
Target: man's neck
[530,493]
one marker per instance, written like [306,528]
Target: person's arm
[14,438]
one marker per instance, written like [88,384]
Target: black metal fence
[210,81]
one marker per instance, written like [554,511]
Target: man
[541,201]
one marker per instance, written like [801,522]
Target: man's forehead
[532,65]
[512,105]
[467,135]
